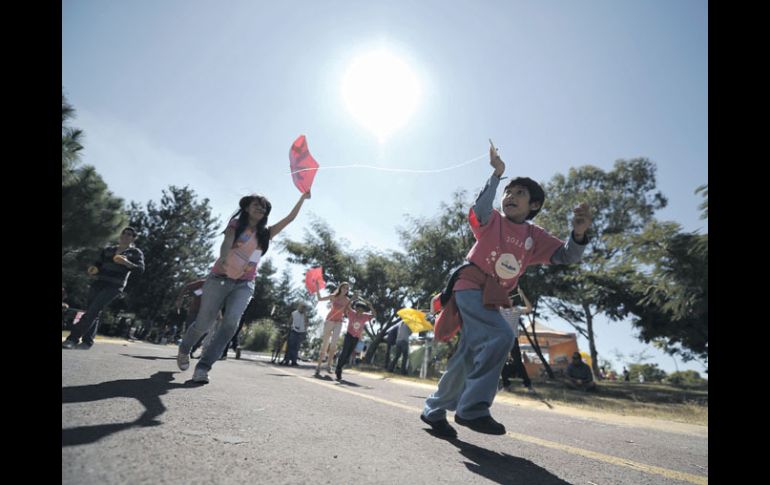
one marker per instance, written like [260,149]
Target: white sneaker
[201,376]
[183,361]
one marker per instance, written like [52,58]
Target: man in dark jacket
[112,268]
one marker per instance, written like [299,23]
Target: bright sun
[381,92]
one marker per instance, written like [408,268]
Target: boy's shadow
[502,467]
[146,391]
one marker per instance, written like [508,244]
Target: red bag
[448,322]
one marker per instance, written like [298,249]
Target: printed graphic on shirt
[507,266]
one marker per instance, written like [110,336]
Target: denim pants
[295,340]
[99,296]
[402,348]
[217,291]
[469,384]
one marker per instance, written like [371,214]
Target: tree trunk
[591,342]
[535,345]
[372,350]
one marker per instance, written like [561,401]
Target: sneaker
[441,427]
[531,390]
[68,344]
[294,364]
[183,361]
[83,346]
[328,369]
[338,373]
[201,376]
[484,424]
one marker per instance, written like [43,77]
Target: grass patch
[652,400]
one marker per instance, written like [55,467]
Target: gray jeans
[217,291]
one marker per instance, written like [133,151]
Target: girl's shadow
[146,391]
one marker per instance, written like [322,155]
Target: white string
[409,170]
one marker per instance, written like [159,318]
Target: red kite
[312,277]
[302,164]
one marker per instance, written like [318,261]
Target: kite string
[386,169]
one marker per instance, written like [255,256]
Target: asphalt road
[130,416]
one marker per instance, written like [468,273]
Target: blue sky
[211,95]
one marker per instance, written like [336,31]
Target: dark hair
[337,291]
[129,228]
[263,233]
[536,192]
[360,305]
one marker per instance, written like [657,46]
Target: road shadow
[148,357]
[323,377]
[501,467]
[280,375]
[343,382]
[146,391]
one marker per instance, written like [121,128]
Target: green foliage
[687,378]
[651,372]
[176,238]
[258,336]
[91,214]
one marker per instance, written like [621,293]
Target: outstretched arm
[483,206]
[527,304]
[280,225]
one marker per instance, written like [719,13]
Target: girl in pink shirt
[340,303]
[231,281]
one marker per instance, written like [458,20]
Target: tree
[670,299]
[91,214]
[435,246]
[176,238]
[622,201]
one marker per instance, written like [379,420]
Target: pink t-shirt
[338,306]
[504,249]
[357,321]
[243,258]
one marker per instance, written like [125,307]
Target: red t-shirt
[504,249]
[357,321]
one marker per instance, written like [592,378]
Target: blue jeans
[292,348]
[469,384]
[99,296]
[217,291]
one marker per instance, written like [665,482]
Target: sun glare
[381,92]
